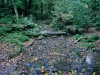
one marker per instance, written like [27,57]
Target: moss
[88,45]
[78,52]
[77,36]
[17,36]
[92,38]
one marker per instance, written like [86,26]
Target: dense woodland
[81,13]
[25,21]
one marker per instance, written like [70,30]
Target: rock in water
[89,59]
[93,58]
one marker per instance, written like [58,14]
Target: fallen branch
[78,39]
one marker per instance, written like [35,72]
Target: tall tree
[15,8]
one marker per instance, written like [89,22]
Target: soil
[49,55]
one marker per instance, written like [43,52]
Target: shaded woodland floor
[49,55]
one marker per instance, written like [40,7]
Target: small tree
[81,17]
[15,9]
[74,10]
[94,11]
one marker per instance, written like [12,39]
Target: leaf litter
[51,55]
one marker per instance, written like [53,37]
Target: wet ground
[50,55]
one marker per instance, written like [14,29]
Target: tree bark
[25,3]
[41,6]
[6,2]
[15,9]
[30,4]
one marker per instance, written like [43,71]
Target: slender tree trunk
[25,5]
[41,7]
[6,2]
[30,4]
[41,3]
[15,9]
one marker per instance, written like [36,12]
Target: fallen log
[51,33]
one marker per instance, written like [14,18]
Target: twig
[78,39]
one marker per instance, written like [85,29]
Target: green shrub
[32,32]
[94,7]
[91,38]
[87,41]
[18,36]
[17,27]
[62,14]
[86,38]
[74,11]
[6,20]
[4,30]
[15,38]
[80,17]
[55,24]
[14,41]
[26,20]
[62,10]
[77,36]
[88,45]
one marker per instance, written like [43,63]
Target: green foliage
[75,11]
[77,36]
[78,52]
[55,24]
[94,9]
[17,27]
[91,38]
[15,38]
[80,11]
[18,36]
[20,32]
[32,32]
[87,41]
[62,10]
[6,20]
[26,20]
[88,45]
[83,13]
[86,38]
[4,30]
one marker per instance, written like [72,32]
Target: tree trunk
[41,7]
[30,4]
[15,9]
[25,5]
[6,2]
[41,3]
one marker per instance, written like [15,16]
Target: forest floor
[48,55]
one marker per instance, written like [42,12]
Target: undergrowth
[18,33]
[87,40]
